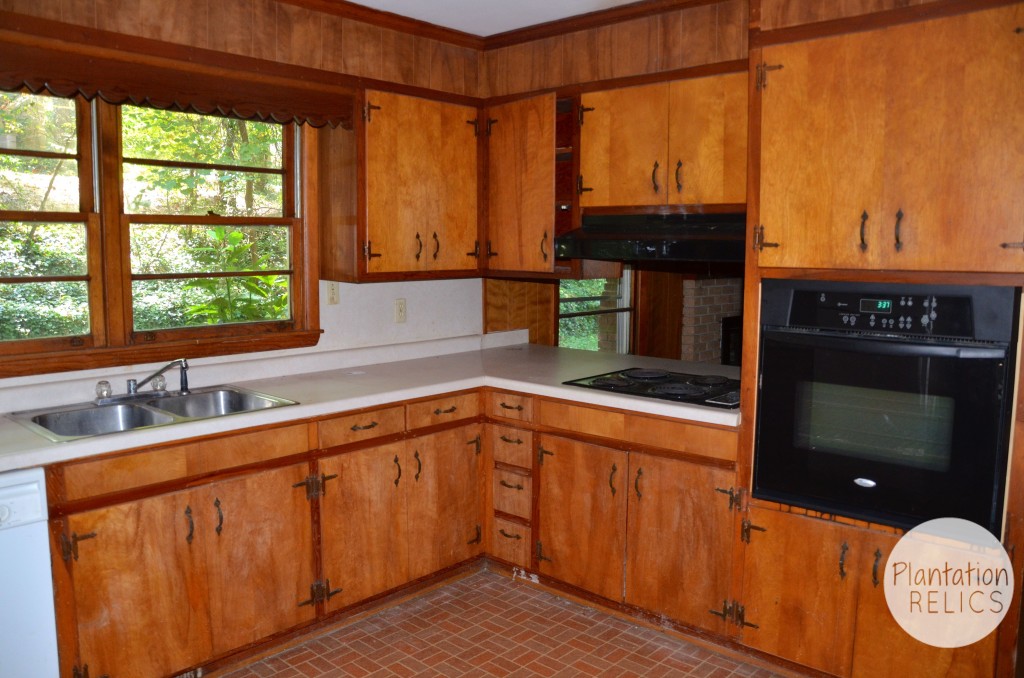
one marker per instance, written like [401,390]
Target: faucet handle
[133,387]
[103,389]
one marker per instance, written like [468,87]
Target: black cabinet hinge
[733,613]
[745,527]
[761,75]
[477,443]
[320,591]
[582,110]
[316,486]
[735,496]
[69,546]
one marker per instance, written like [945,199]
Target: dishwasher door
[28,631]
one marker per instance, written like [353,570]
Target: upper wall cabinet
[901,148]
[683,142]
[410,207]
[521,185]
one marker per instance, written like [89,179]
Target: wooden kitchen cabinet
[883,157]
[798,596]
[421,184]
[674,143]
[679,539]
[205,566]
[398,512]
[521,185]
[582,484]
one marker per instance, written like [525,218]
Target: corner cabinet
[879,155]
[683,142]
[521,185]
[398,193]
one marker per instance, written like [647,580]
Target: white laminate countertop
[528,368]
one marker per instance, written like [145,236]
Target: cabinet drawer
[351,428]
[513,493]
[512,446]
[511,542]
[510,406]
[442,410]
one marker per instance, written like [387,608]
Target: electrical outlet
[400,310]
[332,293]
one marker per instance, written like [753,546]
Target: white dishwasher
[28,631]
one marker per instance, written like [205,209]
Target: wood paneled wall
[516,305]
[786,13]
[266,29]
[661,42]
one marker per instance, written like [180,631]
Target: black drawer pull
[506,535]
[511,441]
[357,427]
[511,486]
[448,411]
[517,408]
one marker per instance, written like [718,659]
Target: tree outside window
[596,314]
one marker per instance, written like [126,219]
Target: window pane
[38,184]
[163,304]
[36,249]
[176,248]
[41,310]
[578,332]
[182,190]
[151,134]
[32,122]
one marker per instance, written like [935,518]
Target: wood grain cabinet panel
[679,539]
[205,566]
[351,428]
[421,184]
[521,185]
[582,484]
[882,156]
[513,493]
[511,542]
[511,446]
[674,143]
[442,410]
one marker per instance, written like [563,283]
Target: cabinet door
[521,185]
[140,587]
[708,140]
[955,142]
[798,591]
[822,146]
[444,509]
[363,522]
[679,539]
[623,146]
[881,647]
[258,534]
[582,532]
[420,184]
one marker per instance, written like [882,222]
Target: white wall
[444,316]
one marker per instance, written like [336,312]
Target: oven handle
[893,348]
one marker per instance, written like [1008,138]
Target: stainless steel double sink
[131,413]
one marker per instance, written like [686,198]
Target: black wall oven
[889,403]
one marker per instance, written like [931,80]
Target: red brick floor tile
[489,625]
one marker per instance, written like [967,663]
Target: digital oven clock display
[876,305]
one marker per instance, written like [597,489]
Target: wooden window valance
[235,87]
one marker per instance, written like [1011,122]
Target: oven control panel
[891,313]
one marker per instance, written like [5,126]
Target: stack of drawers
[512,478]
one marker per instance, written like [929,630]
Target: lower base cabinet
[679,539]
[394,513]
[813,594]
[164,583]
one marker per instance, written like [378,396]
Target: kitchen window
[596,314]
[137,232]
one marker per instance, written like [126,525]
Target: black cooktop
[698,389]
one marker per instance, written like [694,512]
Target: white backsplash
[443,316]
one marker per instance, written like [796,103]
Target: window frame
[113,340]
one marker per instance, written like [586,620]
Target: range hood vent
[657,237]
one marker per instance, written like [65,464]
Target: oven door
[885,431]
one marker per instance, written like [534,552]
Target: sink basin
[132,412]
[98,419]
[215,402]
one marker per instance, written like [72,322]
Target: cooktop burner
[712,390]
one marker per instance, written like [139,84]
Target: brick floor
[489,625]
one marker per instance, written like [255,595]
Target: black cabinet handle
[419,465]
[419,246]
[220,516]
[899,218]
[511,441]
[543,250]
[506,535]
[863,222]
[399,476]
[191,524]
[510,485]
[842,559]
[611,478]
[448,411]
[367,427]
[636,483]
[874,568]
[437,245]
[654,177]
[679,179]
[517,408]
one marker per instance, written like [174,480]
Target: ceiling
[489,17]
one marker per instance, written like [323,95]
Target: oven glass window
[895,427]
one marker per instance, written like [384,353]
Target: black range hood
[691,237]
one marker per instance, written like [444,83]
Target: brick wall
[705,303]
